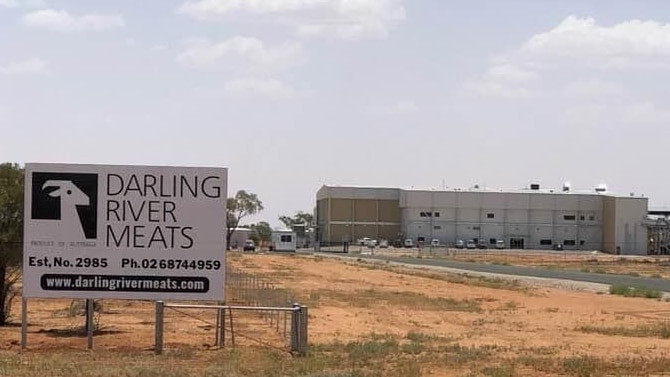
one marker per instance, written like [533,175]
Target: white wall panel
[469,199]
[517,216]
[468,215]
[518,201]
[567,202]
[494,200]
[541,216]
[542,201]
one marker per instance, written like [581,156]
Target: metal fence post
[222,330]
[304,318]
[295,328]
[24,323]
[158,348]
[89,322]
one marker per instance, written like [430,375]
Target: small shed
[283,240]
[240,235]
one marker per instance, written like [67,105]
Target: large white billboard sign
[132,232]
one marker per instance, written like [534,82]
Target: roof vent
[534,186]
[566,186]
[601,188]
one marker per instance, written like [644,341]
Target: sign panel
[131,232]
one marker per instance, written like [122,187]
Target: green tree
[299,218]
[11,234]
[238,207]
[262,231]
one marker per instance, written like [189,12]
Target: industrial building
[529,218]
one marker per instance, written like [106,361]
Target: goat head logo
[70,195]
[70,199]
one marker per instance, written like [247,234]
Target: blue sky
[293,94]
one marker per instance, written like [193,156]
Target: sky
[290,95]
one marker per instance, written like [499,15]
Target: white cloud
[350,19]
[592,88]
[503,80]
[621,45]
[255,87]
[241,54]
[491,88]
[30,66]
[576,45]
[644,112]
[508,72]
[22,3]
[398,108]
[159,47]
[62,21]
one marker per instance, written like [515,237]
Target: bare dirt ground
[367,320]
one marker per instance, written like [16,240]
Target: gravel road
[535,276]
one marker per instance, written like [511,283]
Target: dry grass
[475,281]
[365,298]
[427,325]
[654,330]
[381,355]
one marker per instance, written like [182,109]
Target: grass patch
[581,366]
[656,330]
[378,355]
[366,298]
[475,281]
[420,337]
[635,291]
[499,371]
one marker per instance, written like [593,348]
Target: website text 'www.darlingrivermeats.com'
[124,283]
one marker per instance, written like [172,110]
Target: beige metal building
[346,214]
[530,218]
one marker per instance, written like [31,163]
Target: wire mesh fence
[489,255]
[256,310]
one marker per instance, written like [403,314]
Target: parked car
[409,242]
[364,241]
[434,242]
[500,244]
[460,244]
[249,245]
[470,244]
[383,244]
[558,246]
[482,244]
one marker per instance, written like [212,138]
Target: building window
[592,218]
[490,215]
[420,239]
[436,214]
[422,214]
[582,242]
[492,241]
[286,238]
[545,242]
[437,227]
[568,217]
[569,242]
[581,218]
[475,228]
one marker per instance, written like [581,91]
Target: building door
[516,243]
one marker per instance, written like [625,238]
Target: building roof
[560,191]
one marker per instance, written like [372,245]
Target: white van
[409,242]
